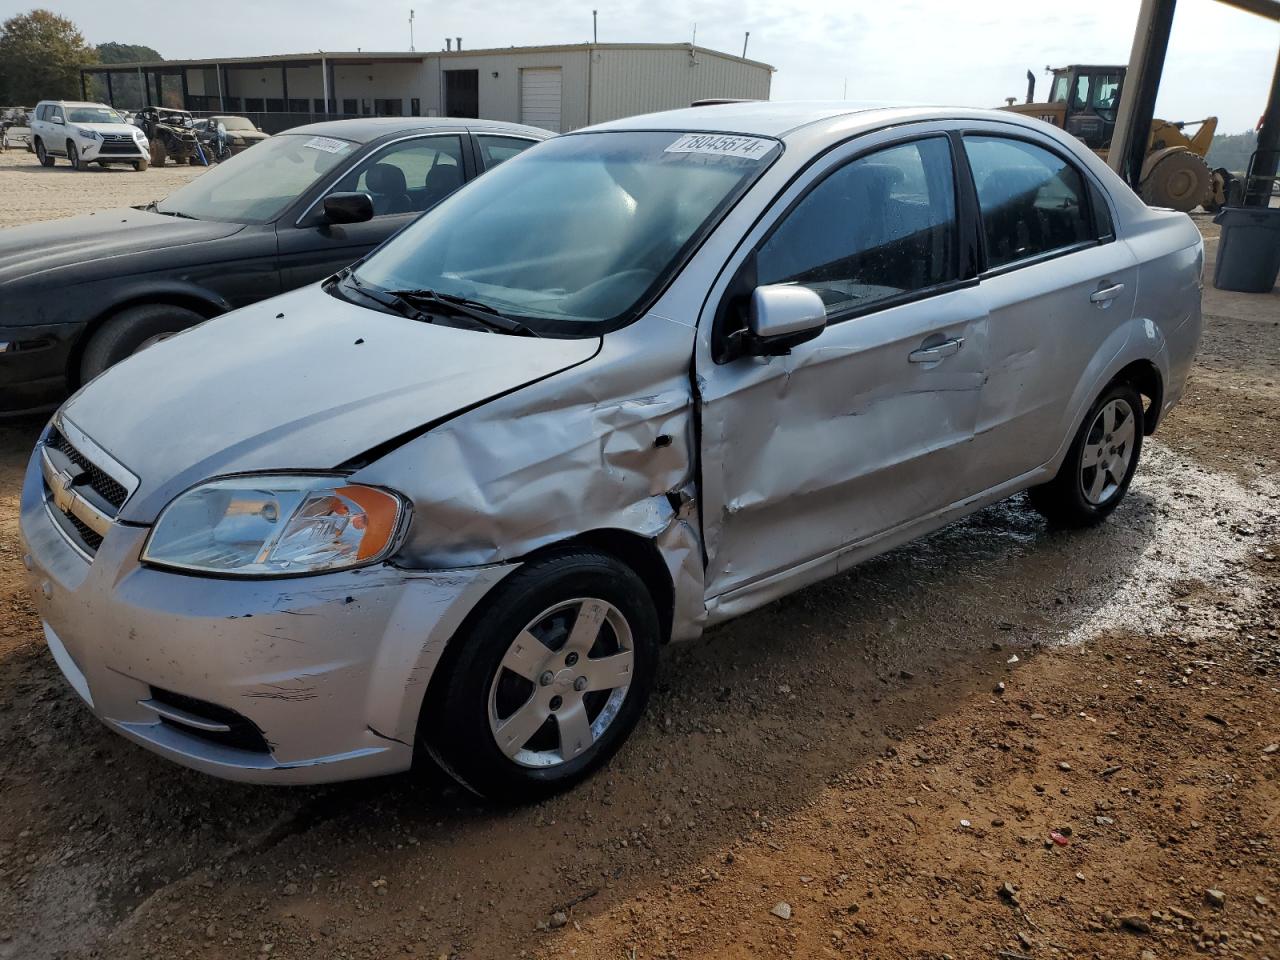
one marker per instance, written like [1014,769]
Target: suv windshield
[575,233]
[93,115]
[235,123]
[256,188]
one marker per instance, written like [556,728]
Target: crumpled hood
[309,390]
[28,251]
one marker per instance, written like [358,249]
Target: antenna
[595,33]
[411,29]
[745,37]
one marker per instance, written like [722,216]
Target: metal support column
[222,100]
[1268,155]
[324,82]
[186,90]
[111,95]
[84,89]
[284,88]
[1141,83]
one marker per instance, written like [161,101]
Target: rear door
[1057,285]
[403,178]
[867,427]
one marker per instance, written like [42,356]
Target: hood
[34,249]
[128,129]
[300,382]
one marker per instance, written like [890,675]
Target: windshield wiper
[154,207]
[482,313]
[393,302]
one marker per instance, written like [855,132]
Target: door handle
[1104,295]
[939,351]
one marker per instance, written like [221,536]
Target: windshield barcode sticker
[327,144]
[718,144]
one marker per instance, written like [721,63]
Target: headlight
[276,525]
[139,136]
[87,134]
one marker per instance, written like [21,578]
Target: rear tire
[131,330]
[1099,465]
[43,155]
[574,688]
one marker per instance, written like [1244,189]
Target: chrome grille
[99,481]
[84,487]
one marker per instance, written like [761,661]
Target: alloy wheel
[1108,452]
[561,683]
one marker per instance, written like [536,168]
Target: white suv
[86,133]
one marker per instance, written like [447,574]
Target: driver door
[403,179]
[866,428]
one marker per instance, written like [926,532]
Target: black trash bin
[1249,249]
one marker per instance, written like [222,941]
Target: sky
[962,52]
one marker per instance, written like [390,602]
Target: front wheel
[73,157]
[548,681]
[1100,463]
[43,155]
[140,165]
[132,330]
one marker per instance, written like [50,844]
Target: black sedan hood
[32,251]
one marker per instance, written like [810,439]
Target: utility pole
[745,37]
[411,29]
[595,31]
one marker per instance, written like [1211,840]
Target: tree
[124,86]
[40,58]
[1233,150]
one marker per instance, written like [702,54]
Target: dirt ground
[840,774]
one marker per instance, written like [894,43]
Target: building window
[350,105]
[275,105]
[297,106]
[253,103]
[415,107]
[388,108]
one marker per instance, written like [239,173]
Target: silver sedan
[640,379]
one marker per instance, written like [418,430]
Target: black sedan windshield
[575,232]
[256,187]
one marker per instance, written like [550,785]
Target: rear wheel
[548,681]
[43,155]
[1100,463]
[132,330]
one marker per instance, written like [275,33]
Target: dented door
[845,438]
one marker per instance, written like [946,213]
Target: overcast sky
[970,52]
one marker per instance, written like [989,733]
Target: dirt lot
[846,752]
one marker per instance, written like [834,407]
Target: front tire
[131,330]
[43,155]
[140,165]
[1099,466]
[548,681]
[73,157]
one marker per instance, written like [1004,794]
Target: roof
[407,56]
[365,129]
[77,103]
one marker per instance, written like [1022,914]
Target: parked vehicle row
[638,380]
[300,206]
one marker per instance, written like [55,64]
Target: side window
[1032,201]
[880,226]
[1080,99]
[410,176]
[57,112]
[493,150]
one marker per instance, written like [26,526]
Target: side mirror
[348,207]
[782,316]
[58,120]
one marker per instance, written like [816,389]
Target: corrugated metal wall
[628,82]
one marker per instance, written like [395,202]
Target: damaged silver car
[640,379]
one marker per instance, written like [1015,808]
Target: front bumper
[107,151]
[330,669]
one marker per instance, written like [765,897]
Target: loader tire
[1181,180]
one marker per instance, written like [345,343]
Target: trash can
[1249,249]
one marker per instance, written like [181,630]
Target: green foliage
[40,58]
[1232,151]
[127,53]
[125,88]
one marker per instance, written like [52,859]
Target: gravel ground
[30,192]
[838,774]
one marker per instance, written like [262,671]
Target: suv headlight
[276,525]
[139,136]
[87,134]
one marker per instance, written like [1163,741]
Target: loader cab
[1090,98]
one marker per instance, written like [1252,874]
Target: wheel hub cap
[1108,452]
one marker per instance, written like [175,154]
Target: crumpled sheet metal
[606,445]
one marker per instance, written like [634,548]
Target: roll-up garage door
[540,97]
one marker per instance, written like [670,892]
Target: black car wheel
[73,157]
[547,681]
[131,330]
[43,155]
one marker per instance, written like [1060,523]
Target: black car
[80,294]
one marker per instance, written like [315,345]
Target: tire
[140,165]
[1076,497]
[1180,180]
[131,330]
[463,718]
[43,155]
[73,157]
[158,153]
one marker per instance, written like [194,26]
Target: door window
[878,227]
[1032,201]
[408,177]
[493,150]
[56,114]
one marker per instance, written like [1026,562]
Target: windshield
[235,123]
[575,232]
[93,115]
[256,188]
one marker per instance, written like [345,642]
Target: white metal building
[558,87]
